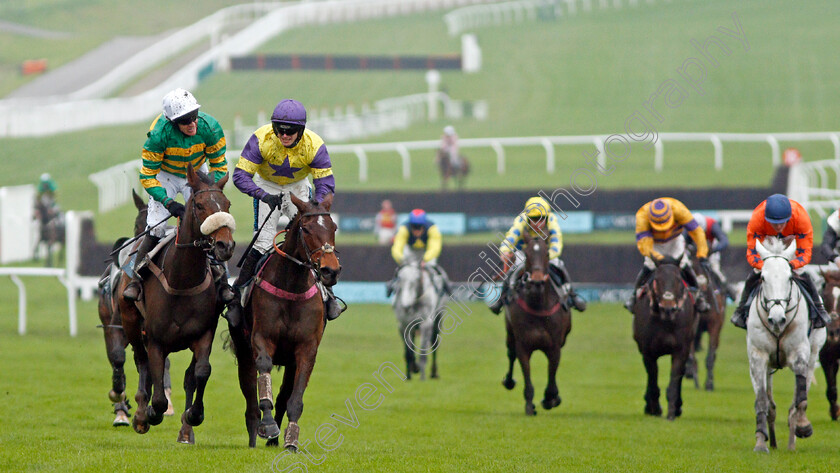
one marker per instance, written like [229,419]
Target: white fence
[815,185]
[44,116]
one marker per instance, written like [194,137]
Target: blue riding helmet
[417,217]
[777,209]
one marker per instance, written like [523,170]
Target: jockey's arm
[555,238]
[721,240]
[248,164]
[434,244]
[322,175]
[215,149]
[400,241]
[644,236]
[512,241]
[149,171]
[699,237]
[683,216]
[804,233]
[829,244]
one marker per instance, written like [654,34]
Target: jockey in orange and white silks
[659,226]
[537,219]
[784,218]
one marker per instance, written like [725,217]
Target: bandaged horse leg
[268,428]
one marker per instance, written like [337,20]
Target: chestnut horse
[284,316]
[830,352]
[664,323]
[710,322]
[536,320]
[179,309]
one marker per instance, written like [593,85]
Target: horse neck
[285,273]
[418,288]
[184,262]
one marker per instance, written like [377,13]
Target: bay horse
[179,309]
[284,322]
[455,167]
[830,352]
[664,322]
[710,322]
[416,307]
[779,334]
[535,320]
[51,226]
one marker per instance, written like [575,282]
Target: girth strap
[180,292]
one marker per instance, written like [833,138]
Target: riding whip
[132,240]
[254,240]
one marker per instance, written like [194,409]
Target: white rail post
[602,152]
[774,149]
[500,156]
[836,142]
[658,156]
[406,161]
[718,152]
[363,163]
[21,303]
[549,155]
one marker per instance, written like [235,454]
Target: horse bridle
[205,242]
[767,304]
[326,248]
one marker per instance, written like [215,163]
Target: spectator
[385,226]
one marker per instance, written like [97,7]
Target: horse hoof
[804,431]
[509,383]
[153,417]
[834,412]
[761,449]
[193,419]
[275,442]
[121,419]
[530,410]
[268,430]
[187,438]
[549,404]
[653,411]
[291,449]
[139,427]
[710,386]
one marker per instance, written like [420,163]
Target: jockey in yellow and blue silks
[659,226]
[418,240]
[537,219]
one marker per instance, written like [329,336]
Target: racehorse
[664,323]
[457,168]
[830,352]
[179,309]
[50,225]
[710,322]
[779,335]
[416,307]
[109,315]
[536,320]
[285,318]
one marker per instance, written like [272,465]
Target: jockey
[717,241]
[537,219]
[782,217]
[449,144]
[419,239]
[46,197]
[180,136]
[830,238]
[659,224]
[276,160]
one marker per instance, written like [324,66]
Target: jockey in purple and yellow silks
[181,135]
[277,159]
[659,227]
[536,219]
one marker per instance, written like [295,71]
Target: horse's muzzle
[329,276]
[223,250]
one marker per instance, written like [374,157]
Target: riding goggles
[286,129]
[186,119]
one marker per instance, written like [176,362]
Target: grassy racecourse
[55,415]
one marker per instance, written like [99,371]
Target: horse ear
[301,205]
[221,182]
[327,202]
[790,251]
[138,201]
[192,177]
[762,251]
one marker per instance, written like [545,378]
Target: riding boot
[496,306]
[234,308]
[699,298]
[573,299]
[390,287]
[821,318]
[641,279]
[132,291]
[220,277]
[739,317]
[331,304]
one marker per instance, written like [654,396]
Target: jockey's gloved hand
[273,200]
[175,208]
[704,263]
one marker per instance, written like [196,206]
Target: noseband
[324,249]
[205,242]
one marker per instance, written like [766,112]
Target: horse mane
[774,245]
[204,177]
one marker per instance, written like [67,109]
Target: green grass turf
[55,415]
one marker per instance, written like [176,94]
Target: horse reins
[309,264]
[205,242]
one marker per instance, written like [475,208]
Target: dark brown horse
[830,352]
[536,320]
[285,318]
[51,227]
[664,323]
[710,322]
[454,167]
[179,309]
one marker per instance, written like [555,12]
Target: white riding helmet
[701,220]
[449,130]
[178,103]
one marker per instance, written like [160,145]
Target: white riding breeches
[173,185]
[675,248]
[301,189]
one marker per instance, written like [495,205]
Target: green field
[55,415]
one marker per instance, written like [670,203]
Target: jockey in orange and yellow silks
[659,227]
[538,220]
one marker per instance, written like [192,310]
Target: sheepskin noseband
[217,221]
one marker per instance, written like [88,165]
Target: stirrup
[132,291]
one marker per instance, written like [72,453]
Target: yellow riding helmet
[537,207]
[660,216]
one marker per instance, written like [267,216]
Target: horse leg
[115,343]
[157,359]
[167,389]
[435,335]
[304,363]
[201,352]
[186,434]
[674,391]
[800,426]
[524,356]
[268,428]
[245,372]
[508,382]
[691,370]
[652,406]
[551,398]
[759,377]
[144,385]
[711,355]
[830,370]
[771,411]
[282,401]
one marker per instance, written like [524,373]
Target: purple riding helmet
[289,117]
